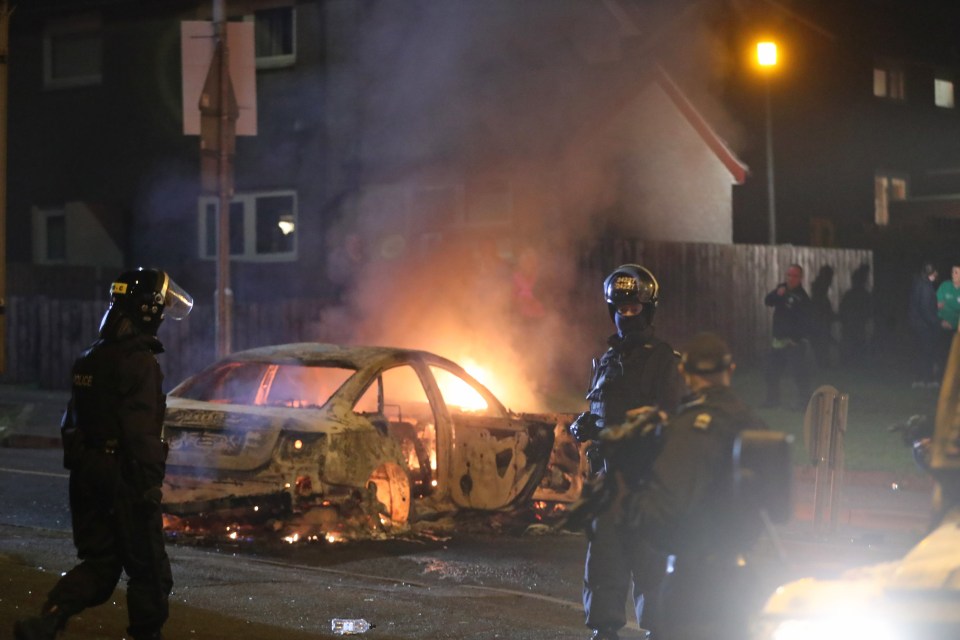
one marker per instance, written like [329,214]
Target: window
[275,37]
[460,395]
[72,53]
[263,226]
[50,236]
[887,188]
[943,93]
[888,82]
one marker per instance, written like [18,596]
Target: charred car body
[331,430]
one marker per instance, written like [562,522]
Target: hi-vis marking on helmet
[118,287]
[702,421]
[625,283]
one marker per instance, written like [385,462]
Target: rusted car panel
[498,462]
[567,469]
[313,426]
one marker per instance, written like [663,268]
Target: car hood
[233,437]
[921,588]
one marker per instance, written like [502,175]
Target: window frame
[894,82]
[284,59]
[78,26]
[882,197]
[944,80]
[248,199]
[42,217]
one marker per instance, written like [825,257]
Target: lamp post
[767,60]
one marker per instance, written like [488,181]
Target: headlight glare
[834,628]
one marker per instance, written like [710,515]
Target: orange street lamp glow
[767,54]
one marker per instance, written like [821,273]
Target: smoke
[489,169]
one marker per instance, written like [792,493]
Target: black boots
[46,626]
[601,634]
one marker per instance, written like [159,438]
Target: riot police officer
[689,508]
[116,457]
[637,370]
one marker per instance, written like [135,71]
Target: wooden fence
[703,287]
[720,287]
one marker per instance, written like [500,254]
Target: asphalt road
[484,581]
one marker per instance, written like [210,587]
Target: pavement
[877,517]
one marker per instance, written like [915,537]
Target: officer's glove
[585,428]
[640,423]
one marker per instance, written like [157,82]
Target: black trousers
[114,531]
[793,360]
[615,558]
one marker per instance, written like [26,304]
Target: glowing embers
[304,486]
[548,511]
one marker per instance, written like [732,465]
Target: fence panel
[703,287]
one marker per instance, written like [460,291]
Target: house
[413,127]
[863,118]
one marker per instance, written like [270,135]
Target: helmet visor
[177,303]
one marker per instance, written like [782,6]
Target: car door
[397,403]
[495,459]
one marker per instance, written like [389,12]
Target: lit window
[888,82]
[263,226]
[887,188]
[275,36]
[72,53]
[943,93]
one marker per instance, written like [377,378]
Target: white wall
[87,242]
[675,188]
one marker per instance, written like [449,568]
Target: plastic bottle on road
[349,627]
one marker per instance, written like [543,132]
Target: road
[471,584]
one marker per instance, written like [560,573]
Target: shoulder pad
[702,421]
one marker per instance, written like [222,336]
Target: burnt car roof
[308,353]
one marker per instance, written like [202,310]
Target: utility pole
[219,112]
[5,12]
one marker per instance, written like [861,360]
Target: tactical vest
[627,378]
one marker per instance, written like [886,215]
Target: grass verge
[878,399]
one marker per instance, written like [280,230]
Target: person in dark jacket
[791,333]
[116,457]
[925,325]
[638,370]
[856,314]
[689,511]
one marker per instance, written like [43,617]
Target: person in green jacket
[948,300]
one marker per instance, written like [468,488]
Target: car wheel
[393,491]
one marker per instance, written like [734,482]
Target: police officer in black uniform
[689,508]
[116,457]
[638,370]
[791,333]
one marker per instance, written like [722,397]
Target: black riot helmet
[140,300]
[631,284]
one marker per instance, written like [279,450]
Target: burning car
[324,431]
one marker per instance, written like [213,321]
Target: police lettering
[83,380]
[626,283]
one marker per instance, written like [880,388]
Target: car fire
[323,442]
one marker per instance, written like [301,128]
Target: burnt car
[329,431]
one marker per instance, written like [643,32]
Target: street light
[767,59]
